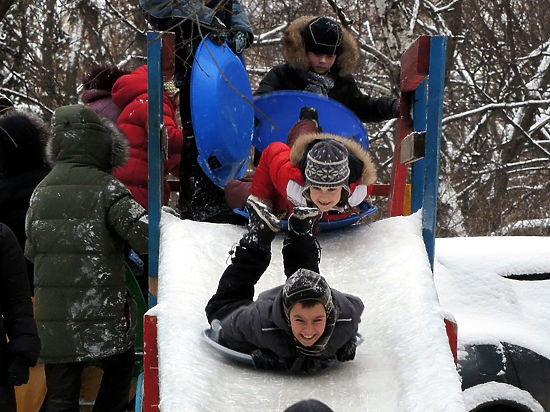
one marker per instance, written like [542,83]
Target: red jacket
[130,93]
[278,177]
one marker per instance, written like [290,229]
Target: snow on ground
[470,279]
[404,364]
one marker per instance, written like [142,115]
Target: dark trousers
[236,286]
[7,399]
[63,384]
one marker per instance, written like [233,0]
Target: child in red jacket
[130,93]
[319,169]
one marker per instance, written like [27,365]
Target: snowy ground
[471,281]
[404,364]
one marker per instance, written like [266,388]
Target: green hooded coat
[79,221]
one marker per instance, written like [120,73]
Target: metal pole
[419,125]
[155,114]
[436,84]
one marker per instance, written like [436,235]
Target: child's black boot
[303,221]
[262,226]
[300,248]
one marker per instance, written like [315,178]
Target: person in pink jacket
[330,172]
[130,93]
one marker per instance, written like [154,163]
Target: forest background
[495,149]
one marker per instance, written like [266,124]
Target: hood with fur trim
[295,54]
[80,136]
[23,136]
[302,145]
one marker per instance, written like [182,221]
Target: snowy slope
[404,365]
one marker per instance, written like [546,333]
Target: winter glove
[347,352]
[18,371]
[237,41]
[264,359]
[218,32]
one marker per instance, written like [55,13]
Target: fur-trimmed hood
[294,49]
[23,136]
[79,135]
[301,145]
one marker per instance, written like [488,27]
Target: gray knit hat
[305,285]
[327,165]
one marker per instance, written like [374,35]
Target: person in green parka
[78,224]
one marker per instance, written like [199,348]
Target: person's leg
[7,399]
[251,259]
[300,247]
[63,385]
[115,385]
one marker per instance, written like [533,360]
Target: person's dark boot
[262,226]
[303,221]
[300,248]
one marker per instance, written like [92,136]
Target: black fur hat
[22,140]
[323,36]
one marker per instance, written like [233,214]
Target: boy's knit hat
[304,285]
[327,165]
[323,36]
[5,104]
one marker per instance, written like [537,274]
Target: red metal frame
[452,333]
[414,68]
[150,365]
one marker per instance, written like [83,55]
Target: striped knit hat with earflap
[304,285]
[327,165]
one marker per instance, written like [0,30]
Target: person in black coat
[22,166]
[16,321]
[320,58]
[301,326]
[224,20]
[23,137]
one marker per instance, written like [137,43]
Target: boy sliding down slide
[301,326]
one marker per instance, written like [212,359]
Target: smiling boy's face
[325,198]
[307,322]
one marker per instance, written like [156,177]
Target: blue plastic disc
[366,208]
[276,113]
[221,111]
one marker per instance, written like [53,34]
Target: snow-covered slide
[404,364]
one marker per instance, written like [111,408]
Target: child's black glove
[347,352]
[218,32]
[264,359]
[18,371]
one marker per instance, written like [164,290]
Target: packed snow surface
[404,364]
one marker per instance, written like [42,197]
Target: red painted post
[150,365]
[452,334]
[414,68]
